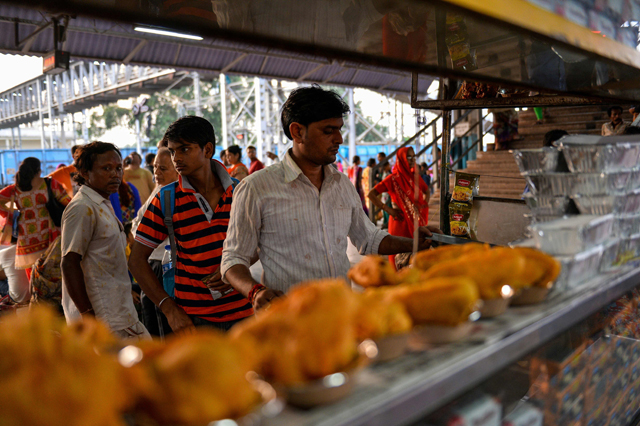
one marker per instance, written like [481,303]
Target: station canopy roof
[92,39]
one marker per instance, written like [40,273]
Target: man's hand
[177,317]
[424,232]
[264,298]
[214,282]
[271,155]
[136,298]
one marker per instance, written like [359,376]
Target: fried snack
[199,378]
[373,271]
[426,259]
[440,301]
[306,335]
[377,317]
[540,270]
[53,375]
[489,269]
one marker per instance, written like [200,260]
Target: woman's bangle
[254,291]
[87,311]
[162,301]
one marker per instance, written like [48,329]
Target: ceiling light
[166,33]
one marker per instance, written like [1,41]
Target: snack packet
[466,186]
[459,214]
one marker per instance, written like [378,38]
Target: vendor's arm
[5,198]
[241,245]
[395,245]
[150,234]
[73,278]
[371,240]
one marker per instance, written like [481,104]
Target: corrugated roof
[113,42]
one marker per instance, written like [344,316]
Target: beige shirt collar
[292,171]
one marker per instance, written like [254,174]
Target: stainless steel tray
[579,268]
[547,206]
[539,160]
[571,235]
[601,158]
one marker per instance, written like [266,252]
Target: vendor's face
[188,157]
[106,175]
[320,141]
[163,170]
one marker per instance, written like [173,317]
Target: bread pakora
[199,378]
[306,335]
[439,301]
[540,270]
[55,375]
[377,317]
[489,269]
[373,271]
[427,259]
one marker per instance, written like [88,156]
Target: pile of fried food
[443,285]
[54,374]
[315,330]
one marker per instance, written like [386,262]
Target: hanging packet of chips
[465,188]
[459,214]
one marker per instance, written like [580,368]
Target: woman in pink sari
[407,206]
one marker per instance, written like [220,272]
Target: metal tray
[595,204]
[539,160]
[571,235]
[601,158]
[605,183]
[629,248]
[547,206]
[579,268]
[626,225]
[627,204]
[551,184]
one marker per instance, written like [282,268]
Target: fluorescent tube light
[166,33]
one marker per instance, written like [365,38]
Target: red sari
[401,185]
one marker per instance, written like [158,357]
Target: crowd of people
[168,246]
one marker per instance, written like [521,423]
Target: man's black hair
[235,149]
[251,147]
[191,129]
[356,159]
[371,162]
[610,110]
[383,154]
[74,149]
[148,159]
[553,135]
[86,158]
[307,105]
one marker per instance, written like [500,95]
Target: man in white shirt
[300,211]
[95,277]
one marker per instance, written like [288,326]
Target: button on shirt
[91,229]
[301,232]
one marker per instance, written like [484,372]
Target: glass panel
[432,37]
[589,375]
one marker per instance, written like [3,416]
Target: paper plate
[392,347]
[530,296]
[441,334]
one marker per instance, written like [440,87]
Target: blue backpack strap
[234,183]
[168,205]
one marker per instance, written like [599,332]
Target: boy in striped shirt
[203,196]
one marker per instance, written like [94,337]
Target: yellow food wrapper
[465,188]
[459,214]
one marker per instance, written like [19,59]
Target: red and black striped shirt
[200,233]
